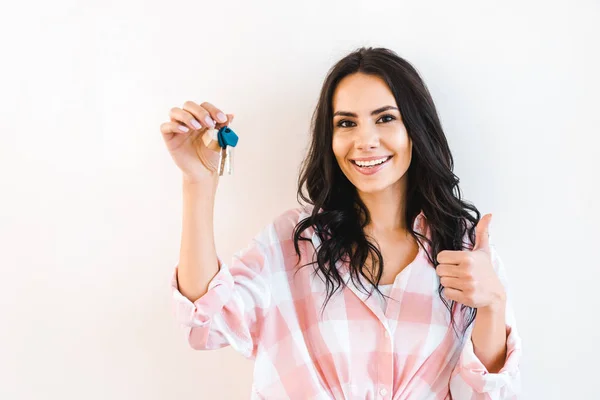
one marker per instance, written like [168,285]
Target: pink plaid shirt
[355,349]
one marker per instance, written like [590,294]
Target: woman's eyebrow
[374,112]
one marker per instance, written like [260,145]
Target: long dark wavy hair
[339,216]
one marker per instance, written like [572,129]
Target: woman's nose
[366,138]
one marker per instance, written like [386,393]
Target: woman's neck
[387,210]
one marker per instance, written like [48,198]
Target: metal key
[222,160]
[226,161]
[229,160]
[227,140]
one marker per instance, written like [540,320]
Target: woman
[383,285]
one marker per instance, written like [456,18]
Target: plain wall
[90,201]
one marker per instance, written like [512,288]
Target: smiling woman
[383,219]
[368,139]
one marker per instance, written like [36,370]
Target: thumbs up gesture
[468,277]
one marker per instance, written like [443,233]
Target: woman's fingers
[456,295]
[188,119]
[449,270]
[170,128]
[197,117]
[191,110]
[453,283]
[197,120]
[207,114]
[226,123]
[217,115]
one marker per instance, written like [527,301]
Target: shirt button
[383,392]
[387,335]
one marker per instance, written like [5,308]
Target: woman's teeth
[371,163]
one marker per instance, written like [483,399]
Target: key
[226,161]
[227,140]
[229,160]
[227,136]
[222,160]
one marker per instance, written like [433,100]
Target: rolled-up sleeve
[471,379]
[238,298]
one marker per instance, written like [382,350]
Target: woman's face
[367,125]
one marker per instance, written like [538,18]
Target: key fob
[227,137]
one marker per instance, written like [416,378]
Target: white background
[90,201]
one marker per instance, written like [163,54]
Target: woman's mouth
[370,167]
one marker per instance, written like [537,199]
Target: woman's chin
[372,187]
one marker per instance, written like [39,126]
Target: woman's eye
[348,124]
[343,123]
[391,118]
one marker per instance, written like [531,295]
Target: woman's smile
[371,167]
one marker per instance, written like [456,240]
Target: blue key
[227,137]
[227,140]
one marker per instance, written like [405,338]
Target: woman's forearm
[198,262]
[489,336]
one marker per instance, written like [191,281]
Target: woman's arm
[488,366]
[489,336]
[198,262]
